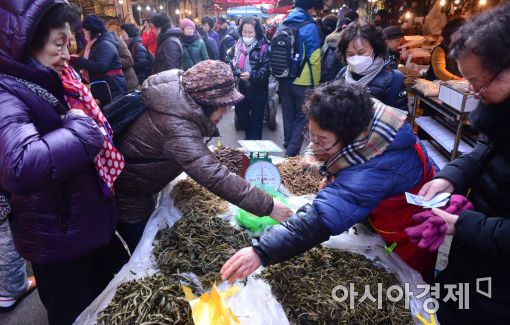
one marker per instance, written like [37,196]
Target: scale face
[265,173]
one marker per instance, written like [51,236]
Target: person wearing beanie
[293,91]
[183,108]
[101,60]
[193,47]
[169,50]
[223,27]
[329,25]
[304,4]
[393,35]
[141,56]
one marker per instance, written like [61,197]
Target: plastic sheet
[254,304]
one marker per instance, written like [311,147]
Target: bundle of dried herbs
[295,179]
[230,157]
[190,197]
[157,299]
[198,244]
[304,284]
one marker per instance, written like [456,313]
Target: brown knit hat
[211,83]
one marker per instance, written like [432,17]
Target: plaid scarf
[109,162]
[372,142]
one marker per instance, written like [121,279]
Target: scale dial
[265,173]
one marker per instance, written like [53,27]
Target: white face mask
[360,63]
[248,40]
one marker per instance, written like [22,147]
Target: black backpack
[330,64]
[123,111]
[285,61]
[149,55]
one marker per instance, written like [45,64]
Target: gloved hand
[458,204]
[431,230]
[429,233]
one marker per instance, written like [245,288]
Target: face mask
[248,40]
[360,63]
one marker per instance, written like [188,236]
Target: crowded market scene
[254,162]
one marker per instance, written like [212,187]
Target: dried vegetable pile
[230,157]
[199,244]
[295,179]
[304,287]
[157,299]
[191,197]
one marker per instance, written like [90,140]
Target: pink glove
[458,204]
[431,231]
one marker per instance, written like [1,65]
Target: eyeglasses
[484,88]
[313,139]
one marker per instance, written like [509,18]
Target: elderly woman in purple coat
[57,160]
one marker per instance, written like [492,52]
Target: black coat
[169,51]
[142,58]
[259,74]
[380,87]
[212,48]
[103,57]
[226,44]
[481,244]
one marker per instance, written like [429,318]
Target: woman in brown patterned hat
[168,139]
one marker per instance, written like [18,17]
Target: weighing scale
[259,169]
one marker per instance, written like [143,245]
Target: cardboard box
[463,102]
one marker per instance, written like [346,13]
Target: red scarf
[109,162]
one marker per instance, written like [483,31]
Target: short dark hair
[56,17]
[450,28]
[131,30]
[161,20]
[256,25]
[342,108]
[208,20]
[362,29]
[486,36]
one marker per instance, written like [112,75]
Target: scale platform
[260,146]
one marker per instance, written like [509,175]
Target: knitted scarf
[367,76]
[372,142]
[108,162]
[242,55]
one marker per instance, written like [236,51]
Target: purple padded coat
[59,212]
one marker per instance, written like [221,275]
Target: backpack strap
[396,83]
[305,59]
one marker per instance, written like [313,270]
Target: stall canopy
[234,3]
[245,11]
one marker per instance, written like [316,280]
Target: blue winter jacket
[311,47]
[349,199]
[359,189]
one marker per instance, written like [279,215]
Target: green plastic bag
[258,224]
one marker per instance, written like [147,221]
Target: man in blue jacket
[293,91]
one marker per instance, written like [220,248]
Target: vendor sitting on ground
[372,157]
[168,139]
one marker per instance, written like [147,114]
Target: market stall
[191,234]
